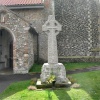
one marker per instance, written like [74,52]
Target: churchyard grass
[89,90]
[36,68]
[80,65]
[68,66]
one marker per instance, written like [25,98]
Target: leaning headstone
[52,29]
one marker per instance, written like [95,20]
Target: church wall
[79,34]
[37,17]
[80,27]
[23,44]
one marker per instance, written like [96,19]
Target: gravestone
[52,29]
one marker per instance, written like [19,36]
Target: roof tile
[20,2]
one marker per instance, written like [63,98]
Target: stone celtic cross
[52,29]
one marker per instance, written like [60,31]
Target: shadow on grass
[12,89]
[93,88]
[2,97]
[90,83]
[62,94]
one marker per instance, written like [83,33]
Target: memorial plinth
[52,29]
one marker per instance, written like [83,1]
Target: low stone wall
[79,59]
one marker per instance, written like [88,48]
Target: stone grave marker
[52,29]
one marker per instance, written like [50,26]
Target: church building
[22,42]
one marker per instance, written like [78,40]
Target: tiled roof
[20,2]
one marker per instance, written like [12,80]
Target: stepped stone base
[57,69]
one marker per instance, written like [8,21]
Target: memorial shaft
[52,47]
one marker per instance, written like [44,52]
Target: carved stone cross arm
[52,25]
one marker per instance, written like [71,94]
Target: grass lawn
[90,90]
[68,66]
